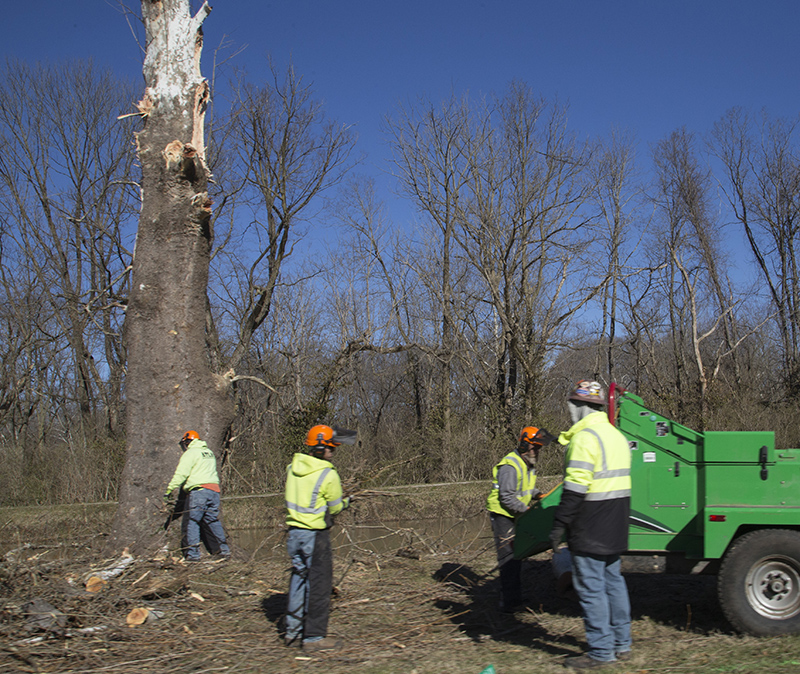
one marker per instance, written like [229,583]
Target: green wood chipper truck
[714,502]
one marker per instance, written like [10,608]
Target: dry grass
[424,608]
[396,615]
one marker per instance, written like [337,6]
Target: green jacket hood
[304,464]
[197,466]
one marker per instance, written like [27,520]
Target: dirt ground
[413,611]
[423,607]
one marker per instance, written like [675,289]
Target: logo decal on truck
[643,522]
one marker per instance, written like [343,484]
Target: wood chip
[95,584]
[137,616]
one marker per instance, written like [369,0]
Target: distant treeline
[534,257]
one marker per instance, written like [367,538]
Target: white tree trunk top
[172,64]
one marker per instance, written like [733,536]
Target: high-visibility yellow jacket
[515,503]
[313,490]
[197,466]
[595,503]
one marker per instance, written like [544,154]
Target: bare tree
[65,189]
[530,234]
[700,296]
[763,188]
[432,163]
[170,387]
[67,202]
[382,294]
[616,195]
[288,154]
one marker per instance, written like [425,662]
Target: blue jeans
[606,606]
[310,584]
[202,505]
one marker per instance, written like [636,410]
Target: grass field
[424,608]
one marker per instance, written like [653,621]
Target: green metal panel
[652,432]
[742,484]
[719,534]
[738,446]
[682,479]
[533,527]
[664,480]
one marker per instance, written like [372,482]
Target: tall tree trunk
[170,387]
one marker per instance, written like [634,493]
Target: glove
[556,534]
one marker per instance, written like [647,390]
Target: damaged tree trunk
[170,387]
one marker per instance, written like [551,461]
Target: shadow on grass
[274,609]
[479,616]
[682,602]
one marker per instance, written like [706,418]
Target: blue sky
[649,66]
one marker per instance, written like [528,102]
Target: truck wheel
[759,583]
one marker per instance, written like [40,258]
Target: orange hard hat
[321,436]
[528,433]
[535,437]
[189,436]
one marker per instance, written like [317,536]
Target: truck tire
[759,583]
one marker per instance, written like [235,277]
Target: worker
[593,513]
[197,475]
[513,490]
[313,497]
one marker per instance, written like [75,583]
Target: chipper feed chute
[533,527]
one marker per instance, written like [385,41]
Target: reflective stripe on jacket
[598,459]
[313,489]
[595,503]
[525,487]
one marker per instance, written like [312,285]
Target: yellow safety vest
[526,481]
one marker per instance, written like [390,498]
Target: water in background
[402,537]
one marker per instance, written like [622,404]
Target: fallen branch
[12,555]
[113,571]
[367,493]
[96,580]
[68,634]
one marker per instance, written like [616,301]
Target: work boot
[585,662]
[326,644]
[624,655]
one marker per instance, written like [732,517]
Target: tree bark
[170,387]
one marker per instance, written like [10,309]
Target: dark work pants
[310,583]
[510,568]
[320,585]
